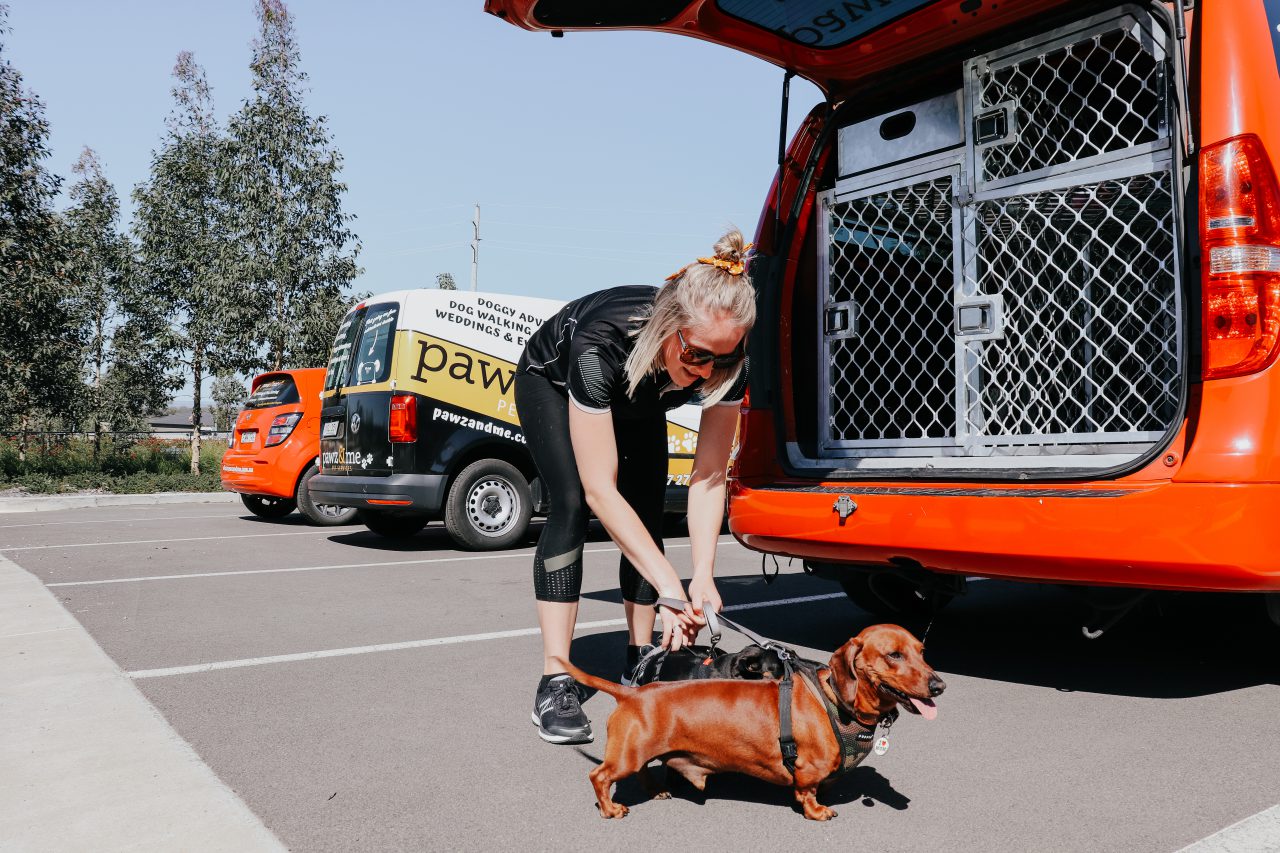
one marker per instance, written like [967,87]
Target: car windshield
[820,23]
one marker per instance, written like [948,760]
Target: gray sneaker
[557,712]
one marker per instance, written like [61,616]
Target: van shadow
[434,537]
[1174,645]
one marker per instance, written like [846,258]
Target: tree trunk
[97,391]
[197,370]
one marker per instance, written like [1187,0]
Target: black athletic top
[584,349]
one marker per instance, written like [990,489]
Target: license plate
[248,436]
[330,429]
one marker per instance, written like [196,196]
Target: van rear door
[835,45]
[354,436]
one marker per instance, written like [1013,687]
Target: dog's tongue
[927,709]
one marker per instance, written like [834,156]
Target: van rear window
[373,352]
[820,23]
[340,355]
[280,391]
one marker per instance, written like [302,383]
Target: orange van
[1021,270]
[271,454]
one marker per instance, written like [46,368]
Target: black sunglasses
[697,356]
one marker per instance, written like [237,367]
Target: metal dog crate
[1001,269]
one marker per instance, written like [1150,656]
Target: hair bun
[731,247]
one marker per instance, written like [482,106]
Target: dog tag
[882,746]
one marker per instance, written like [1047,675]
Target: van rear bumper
[421,492]
[1167,535]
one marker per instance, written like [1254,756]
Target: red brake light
[1240,234]
[281,427]
[403,425]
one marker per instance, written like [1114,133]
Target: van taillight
[1240,234]
[281,426]
[404,418]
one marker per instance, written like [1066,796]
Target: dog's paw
[820,813]
[613,810]
[662,795]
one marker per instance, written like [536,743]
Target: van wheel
[321,515]
[884,593]
[489,506]
[267,506]
[393,525]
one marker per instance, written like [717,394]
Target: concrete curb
[89,763]
[42,503]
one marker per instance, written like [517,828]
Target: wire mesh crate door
[1088,279]
[889,354]
[1077,100]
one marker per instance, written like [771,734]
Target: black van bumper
[419,492]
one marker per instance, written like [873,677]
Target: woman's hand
[703,593]
[679,627]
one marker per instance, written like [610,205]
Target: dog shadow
[864,785]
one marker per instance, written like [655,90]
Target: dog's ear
[749,661]
[844,672]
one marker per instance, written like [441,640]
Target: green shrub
[125,465]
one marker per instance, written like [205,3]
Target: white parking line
[118,520]
[1260,832]
[436,641]
[327,531]
[503,555]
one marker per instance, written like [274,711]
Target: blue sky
[597,159]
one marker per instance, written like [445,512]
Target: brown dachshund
[720,726]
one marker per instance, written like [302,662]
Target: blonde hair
[698,293]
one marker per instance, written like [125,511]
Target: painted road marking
[1261,832]
[436,641]
[323,531]
[120,520]
[503,555]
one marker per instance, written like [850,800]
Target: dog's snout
[936,685]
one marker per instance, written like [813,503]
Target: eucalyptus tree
[182,225]
[296,250]
[38,342]
[98,267]
[228,394]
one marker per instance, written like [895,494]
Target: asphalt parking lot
[360,694]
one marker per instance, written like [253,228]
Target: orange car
[271,455]
[1021,270]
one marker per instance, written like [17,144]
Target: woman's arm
[706,498]
[596,452]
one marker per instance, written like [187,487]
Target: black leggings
[642,481]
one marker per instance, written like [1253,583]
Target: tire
[489,506]
[321,515]
[884,593]
[267,506]
[393,525]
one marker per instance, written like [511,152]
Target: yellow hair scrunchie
[731,267]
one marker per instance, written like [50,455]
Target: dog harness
[854,738]
[649,667]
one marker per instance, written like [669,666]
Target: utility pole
[475,249]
